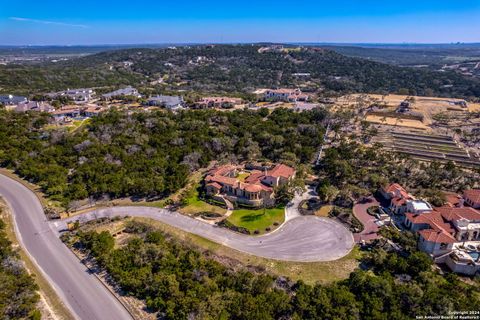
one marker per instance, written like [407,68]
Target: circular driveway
[303,238]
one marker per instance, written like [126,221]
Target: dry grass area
[426,106]
[416,124]
[50,304]
[310,272]
[474,107]
[324,211]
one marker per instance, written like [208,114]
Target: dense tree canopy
[149,154]
[234,68]
[180,282]
[18,291]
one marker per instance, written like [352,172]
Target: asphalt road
[85,296]
[299,239]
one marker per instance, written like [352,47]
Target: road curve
[304,238]
[299,239]
[81,291]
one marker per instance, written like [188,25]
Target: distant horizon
[144,22]
[242,43]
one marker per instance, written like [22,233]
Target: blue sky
[129,22]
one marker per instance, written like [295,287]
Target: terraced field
[428,147]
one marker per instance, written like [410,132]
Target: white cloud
[49,22]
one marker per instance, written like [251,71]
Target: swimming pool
[474,255]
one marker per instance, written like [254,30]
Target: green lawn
[196,205]
[257,219]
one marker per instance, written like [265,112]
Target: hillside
[229,68]
[434,56]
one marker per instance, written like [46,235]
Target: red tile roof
[215,185]
[254,177]
[251,187]
[440,221]
[434,219]
[452,198]
[221,170]
[437,236]
[253,183]
[453,214]
[473,195]
[281,170]
[395,189]
[398,201]
[221,179]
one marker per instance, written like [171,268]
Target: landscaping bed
[310,206]
[373,211]
[346,217]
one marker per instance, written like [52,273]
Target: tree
[328,192]
[284,193]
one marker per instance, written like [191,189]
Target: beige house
[255,189]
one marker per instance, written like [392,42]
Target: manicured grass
[324,211]
[196,205]
[309,272]
[258,219]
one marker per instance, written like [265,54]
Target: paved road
[299,239]
[85,296]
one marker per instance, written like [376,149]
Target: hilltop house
[93,110]
[127,91]
[401,201]
[34,106]
[255,189]
[217,102]
[287,95]
[169,102]
[67,112]
[450,234]
[444,226]
[10,100]
[77,95]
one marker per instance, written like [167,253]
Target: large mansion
[450,234]
[284,94]
[253,187]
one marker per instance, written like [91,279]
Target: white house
[169,102]
[287,95]
[127,91]
[77,95]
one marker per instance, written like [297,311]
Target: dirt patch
[416,124]
[324,211]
